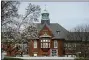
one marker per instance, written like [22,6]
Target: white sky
[67,14]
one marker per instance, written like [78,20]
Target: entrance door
[35,54]
[54,52]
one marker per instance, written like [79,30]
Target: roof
[63,33]
[54,27]
[77,36]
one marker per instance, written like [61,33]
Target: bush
[12,58]
[81,58]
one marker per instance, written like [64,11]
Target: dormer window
[58,32]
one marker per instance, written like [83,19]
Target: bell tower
[45,17]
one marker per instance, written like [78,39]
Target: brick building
[52,41]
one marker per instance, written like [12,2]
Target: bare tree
[80,35]
[11,24]
[9,10]
[31,16]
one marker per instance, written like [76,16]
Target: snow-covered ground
[27,57]
[53,58]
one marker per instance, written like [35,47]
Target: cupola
[45,17]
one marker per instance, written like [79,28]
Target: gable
[53,27]
[45,30]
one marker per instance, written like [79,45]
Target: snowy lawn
[53,58]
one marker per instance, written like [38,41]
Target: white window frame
[43,45]
[35,43]
[55,44]
[48,40]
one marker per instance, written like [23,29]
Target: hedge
[7,58]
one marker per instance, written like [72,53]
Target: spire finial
[45,11]
[45,6]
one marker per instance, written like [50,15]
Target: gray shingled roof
[54,27]
[77,36]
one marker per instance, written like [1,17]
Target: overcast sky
[67,14]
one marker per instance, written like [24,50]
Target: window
[55,44]
[41,45]
[75,45]
[45,43]
[58,32]
[54,52]
[46,40]
[24,47]
[49,45]
[71,46]
[35,43]
[65,45]
[43,40]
